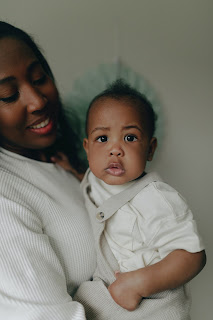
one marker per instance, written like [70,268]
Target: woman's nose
[34,100]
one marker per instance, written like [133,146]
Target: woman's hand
[124,290]
[62,160]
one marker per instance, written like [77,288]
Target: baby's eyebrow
[100,128]
[132,127]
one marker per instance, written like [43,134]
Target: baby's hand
[124,290]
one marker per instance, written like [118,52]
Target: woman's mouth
[44,127]
[115,169]
[41,124]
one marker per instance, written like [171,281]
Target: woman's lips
[43,127]
[115,169]
[41,124]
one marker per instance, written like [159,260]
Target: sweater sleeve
[32,280]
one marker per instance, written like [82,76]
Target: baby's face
[117,146]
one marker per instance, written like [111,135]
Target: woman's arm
[174,270]
[32,279]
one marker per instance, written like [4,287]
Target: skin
[116,140]
[28,97]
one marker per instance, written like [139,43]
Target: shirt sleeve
[176,234]
[32,280]
[168,223]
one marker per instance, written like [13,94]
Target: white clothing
[171,304]
[154,223]
[47,247]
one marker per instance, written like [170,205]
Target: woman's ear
[152,147]
[85,145]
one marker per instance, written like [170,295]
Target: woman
[46,242]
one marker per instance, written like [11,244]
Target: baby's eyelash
[130,138]
[102,138]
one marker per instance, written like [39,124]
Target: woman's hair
[66,140]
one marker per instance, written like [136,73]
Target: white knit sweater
[46,244]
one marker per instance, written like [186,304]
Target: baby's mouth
[115,169]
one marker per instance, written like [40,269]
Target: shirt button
[100,216]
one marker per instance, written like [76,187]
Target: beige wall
[170,43]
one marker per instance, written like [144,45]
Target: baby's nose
[116,151]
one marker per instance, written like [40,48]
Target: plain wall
[169,42]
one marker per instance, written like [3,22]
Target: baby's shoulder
[160,199]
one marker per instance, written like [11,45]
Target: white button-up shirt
[154,223]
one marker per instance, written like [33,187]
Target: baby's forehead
[102,103]
[108,110]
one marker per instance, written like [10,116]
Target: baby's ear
[152,147]
[85,145]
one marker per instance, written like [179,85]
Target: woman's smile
[41,124]
[42,127]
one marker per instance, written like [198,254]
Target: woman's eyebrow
[33,65]
[7,79]
[29,68]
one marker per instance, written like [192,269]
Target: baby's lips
[115,165]
[115,169]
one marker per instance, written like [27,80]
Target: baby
[147,242]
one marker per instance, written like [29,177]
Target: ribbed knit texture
[47,247]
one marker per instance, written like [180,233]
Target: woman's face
[29,100]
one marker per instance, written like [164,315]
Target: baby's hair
[121,90]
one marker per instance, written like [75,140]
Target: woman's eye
[40,81]
[130,138]
[102,139]
[10,99]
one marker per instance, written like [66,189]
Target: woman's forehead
[13,52]
[13,46]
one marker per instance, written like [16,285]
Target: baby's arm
[174,270]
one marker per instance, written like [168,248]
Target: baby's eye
[102,139]
[10,99]
[130,138]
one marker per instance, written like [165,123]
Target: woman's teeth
[41,125]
